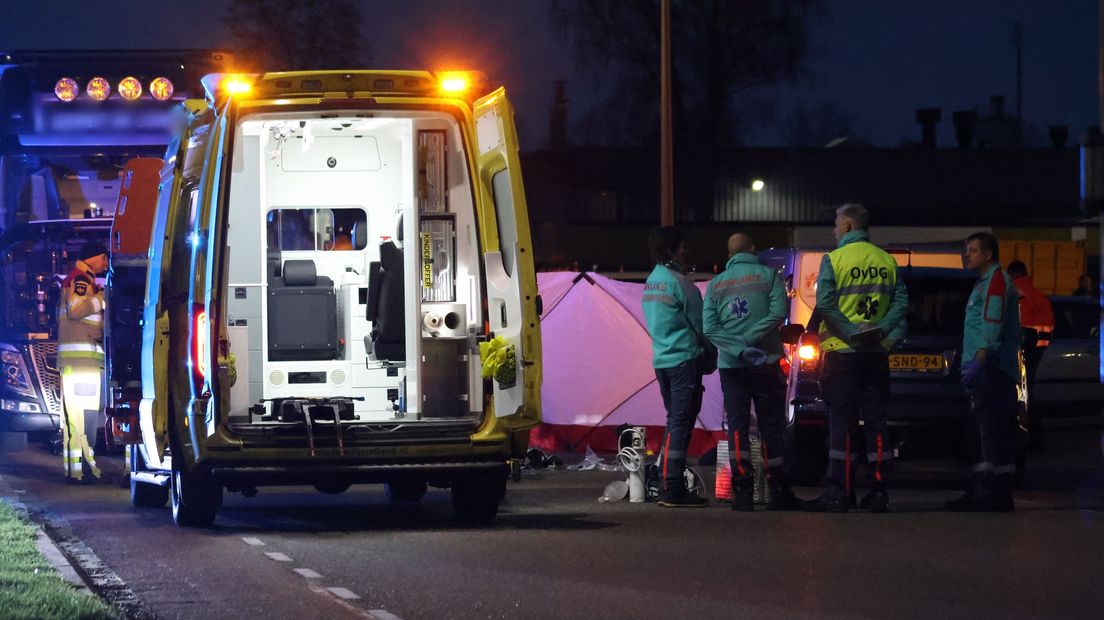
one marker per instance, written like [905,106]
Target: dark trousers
[993,409]
[681,388]
[853,383]
[766,387]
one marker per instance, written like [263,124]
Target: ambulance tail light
[201,349]
[808,351]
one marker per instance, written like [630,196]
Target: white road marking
[279,557]
[308,573]
[383,614]
[250,540]
[343,594]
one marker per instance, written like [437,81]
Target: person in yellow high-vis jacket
[862,302]
[81,359]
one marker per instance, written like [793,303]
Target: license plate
[916,362]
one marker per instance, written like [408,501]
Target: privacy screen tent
[598,371]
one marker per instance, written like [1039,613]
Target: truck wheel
[195,499]
[12,441]
[475,496]
[807,452]
[406,490]
[331,487]
[143,494]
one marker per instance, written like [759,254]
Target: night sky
[877,60]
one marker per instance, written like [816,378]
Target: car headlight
[16,377]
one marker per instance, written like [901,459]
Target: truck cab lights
[98,88]
[161,88]
[67,89]
[130,88]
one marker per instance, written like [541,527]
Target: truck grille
[44,357]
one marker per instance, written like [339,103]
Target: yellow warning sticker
[427,260]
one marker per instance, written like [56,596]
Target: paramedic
[81,359]
[990,373]
[862,300]
[743,311]
[680,355]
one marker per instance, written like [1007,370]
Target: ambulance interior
[353,291]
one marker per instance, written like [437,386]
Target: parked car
[1067,382]
[924,362]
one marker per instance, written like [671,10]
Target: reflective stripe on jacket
[859,286]
[744,307]
[673,315]
[80,313]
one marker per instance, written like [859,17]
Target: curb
[75,561]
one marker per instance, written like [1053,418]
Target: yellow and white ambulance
[341,290]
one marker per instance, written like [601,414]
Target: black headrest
[390,254]
[300,273]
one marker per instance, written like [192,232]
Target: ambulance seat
[387,304]
[302,314]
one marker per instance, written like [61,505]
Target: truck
[340,290]
[69,123]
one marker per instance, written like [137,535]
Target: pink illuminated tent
[598,368]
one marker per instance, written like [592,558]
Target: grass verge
[29,585]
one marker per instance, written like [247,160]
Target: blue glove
[753,356]
[973,375]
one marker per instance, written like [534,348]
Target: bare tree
[283,35]
[725,52]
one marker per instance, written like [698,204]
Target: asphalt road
[555,552]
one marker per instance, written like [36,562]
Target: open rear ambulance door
[154,407]
[508,258]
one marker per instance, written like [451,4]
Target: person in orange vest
[81,358]
[1035,309]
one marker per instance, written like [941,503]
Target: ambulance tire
[406,490]
[807,453]
[476,495]
[195,499]
[332,487]
[13,441]
[144,494]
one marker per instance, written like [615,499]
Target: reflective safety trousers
[82,397]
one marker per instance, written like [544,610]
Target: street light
[757,185]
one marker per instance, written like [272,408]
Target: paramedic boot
[973,499]
[834,499]
[681,498]
[743,495]
[782,496]
[876,499]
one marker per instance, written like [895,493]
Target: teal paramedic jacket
[744,307]
[673,314]
[993,322]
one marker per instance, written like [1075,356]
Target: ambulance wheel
[332,487]
[807,452]
[13,441]
[195,499]
[406,490]
[476,495]
[144,494]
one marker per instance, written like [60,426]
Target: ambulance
[340,290]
